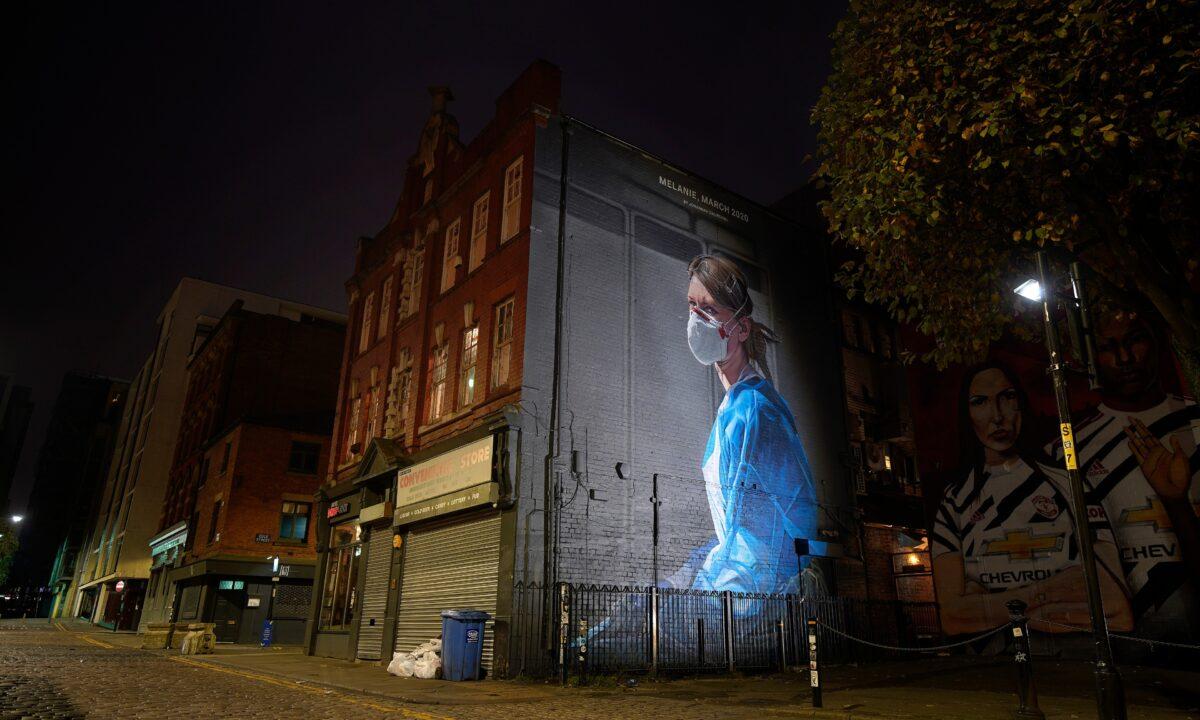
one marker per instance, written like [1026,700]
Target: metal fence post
[782,646]
[814,680]
[564,629]
[582,655]
[700,640]
[727,602]
[653,630]
[1027,702]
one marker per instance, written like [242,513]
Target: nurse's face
[995,411]
[698,297]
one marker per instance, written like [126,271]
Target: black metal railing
[614,629]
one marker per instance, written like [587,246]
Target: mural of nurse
[1005,531]
[756,474]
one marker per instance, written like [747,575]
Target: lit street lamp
[1110,694]
[17,518]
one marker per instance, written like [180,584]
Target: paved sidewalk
[952,688]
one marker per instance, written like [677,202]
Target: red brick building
[252,443]
[434,352]
[437,297]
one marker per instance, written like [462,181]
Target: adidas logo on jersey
[1096,470]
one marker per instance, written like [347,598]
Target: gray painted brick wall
[631,391]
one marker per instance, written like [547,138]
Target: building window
[437,381]
[225,456]
[374,409]
[479,224]
[213,534]
[405,395]
[450,258]
[293,521]
[352,432]
[339,600]
[364,336]
[303,458]
[414,271]
[502,338]
[510,217]
[385,307]
[466,374]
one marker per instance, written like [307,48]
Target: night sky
[250,144]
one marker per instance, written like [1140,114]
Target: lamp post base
[1110,693]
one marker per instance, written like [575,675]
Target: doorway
[227,614]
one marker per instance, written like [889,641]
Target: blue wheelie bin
[462,644]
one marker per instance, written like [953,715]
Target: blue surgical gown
[760,492]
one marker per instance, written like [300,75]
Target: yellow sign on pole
[1068,441]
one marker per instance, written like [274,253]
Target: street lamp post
[1110,694]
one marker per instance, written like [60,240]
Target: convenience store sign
[464,467]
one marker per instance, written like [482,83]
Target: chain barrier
[1118,636]
[932,648]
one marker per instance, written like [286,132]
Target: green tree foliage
[958,137]
[8,549]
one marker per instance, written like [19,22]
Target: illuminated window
[339,599]
[450,258]
[293,521]
[466,375]
[510,217]
[479,223]
[364,336]
[385,307]
[437,381]
[502,339]
[414,271]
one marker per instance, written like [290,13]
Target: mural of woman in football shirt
[1005,530]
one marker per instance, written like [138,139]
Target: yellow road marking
[95,642]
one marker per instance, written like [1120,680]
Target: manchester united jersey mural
[1003,526]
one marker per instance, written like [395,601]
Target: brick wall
[631,391]
[253,489]
[461,174]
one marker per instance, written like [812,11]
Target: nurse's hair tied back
[726,282]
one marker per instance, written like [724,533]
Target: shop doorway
[227,614]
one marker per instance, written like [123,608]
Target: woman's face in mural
[700,301]
[995,413]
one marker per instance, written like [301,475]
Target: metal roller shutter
[375,592]
[448,567]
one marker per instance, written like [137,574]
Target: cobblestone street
[56,671]
[47,673]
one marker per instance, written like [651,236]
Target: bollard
[1027,708]
[814,680]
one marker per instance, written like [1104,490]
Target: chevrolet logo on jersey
[1153,513]
[1023,545]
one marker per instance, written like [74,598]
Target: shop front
[333,626]
[239,596]
[121,603]
[449,524]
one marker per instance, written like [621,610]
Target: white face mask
[707,338]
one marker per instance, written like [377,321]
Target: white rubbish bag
[402,664]
[428,667]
